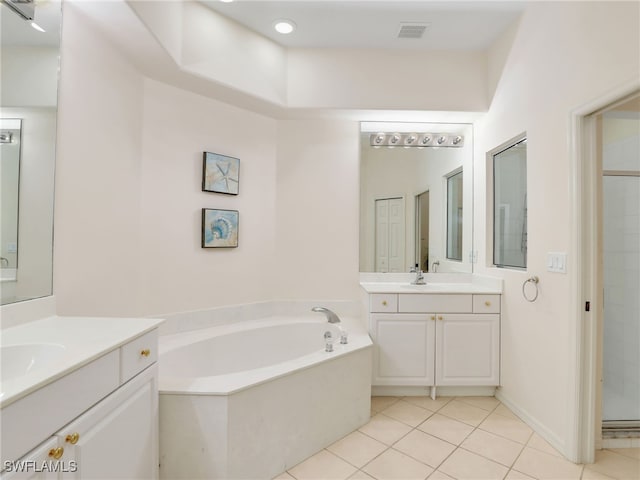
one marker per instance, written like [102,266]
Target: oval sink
[18,360]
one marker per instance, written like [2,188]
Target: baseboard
[533,422]
[397,391]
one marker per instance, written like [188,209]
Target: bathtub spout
[331,317]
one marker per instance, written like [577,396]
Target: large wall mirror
[416,199]
[30,52]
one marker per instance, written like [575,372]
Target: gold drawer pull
[56,453]
[440,317]
[146,352]
[433,317]
[384,303]
[487,303]
[73,438]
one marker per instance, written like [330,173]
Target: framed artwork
[220,174]
[219,228]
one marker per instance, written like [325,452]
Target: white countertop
[440,283]
[439,288]
[84,339]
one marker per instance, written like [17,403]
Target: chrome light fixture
[420,140]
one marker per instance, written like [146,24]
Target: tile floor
[452,438]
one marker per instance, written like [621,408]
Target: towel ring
[535,281]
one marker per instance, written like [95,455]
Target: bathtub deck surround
[251,398]
[93,381]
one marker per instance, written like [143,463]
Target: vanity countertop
[74,341]
[431,288]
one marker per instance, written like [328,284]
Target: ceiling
[451,25]
[17,31]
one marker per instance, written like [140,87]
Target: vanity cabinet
[435,339]
[117,437]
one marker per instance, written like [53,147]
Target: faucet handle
[328,338]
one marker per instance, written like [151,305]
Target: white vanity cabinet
[101,420]
[435,339]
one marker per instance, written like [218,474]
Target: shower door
[621,277]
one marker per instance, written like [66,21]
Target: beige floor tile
[539,443]
[515,475]
[588,474]
[446,428]
[393,465]
[323,465]
[493,447]
[360,475]
[486,403]
[428,403]
[466,465]
[425,448]
[464,412]
[380,403]
[615,465]
[510,428]
[627,452]
[544,466]
[385,429]
[505,412]
[357,448]
[284,476]
[438,475]
[407,413]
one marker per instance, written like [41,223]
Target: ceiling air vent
[412,30]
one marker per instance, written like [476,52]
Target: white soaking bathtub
[252,399]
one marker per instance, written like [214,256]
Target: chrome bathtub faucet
[331,316]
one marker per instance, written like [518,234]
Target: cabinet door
[403,349]
[38,464]
[118,437]
[468,349]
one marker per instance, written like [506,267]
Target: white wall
[176,274]
[317,210]
[98,174]
[29,76]
[563,56]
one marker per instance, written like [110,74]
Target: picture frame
[219,228]
[220,173]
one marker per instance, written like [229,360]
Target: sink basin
[18,360]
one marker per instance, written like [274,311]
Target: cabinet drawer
[486,304]
[383,302]
[412,303]
[138,354]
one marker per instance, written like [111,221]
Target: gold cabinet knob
[56,453]
[73,438]
[440,317]
[145,353]
[384,303]
[487,303]
[433,317]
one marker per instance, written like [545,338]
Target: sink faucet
[419,280]
[331,317]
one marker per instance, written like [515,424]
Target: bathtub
[252,399]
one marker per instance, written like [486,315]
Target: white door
[96,440]
[403,352]
[390,235]
[468,349]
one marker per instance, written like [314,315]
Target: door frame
[583,350]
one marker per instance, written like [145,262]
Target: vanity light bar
[420,140]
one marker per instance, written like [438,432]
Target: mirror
[416,203]
[28,101]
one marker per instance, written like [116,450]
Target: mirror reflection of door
[390,235]
[422,230]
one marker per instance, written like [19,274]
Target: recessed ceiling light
[284,26]
[37,27]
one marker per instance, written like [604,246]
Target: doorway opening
[422,231]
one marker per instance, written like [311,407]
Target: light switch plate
[557,262]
